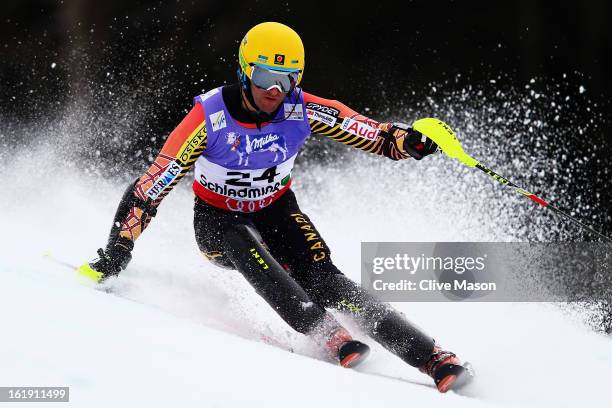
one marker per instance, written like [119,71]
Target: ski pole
[446,139]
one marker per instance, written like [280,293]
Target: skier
[243,139]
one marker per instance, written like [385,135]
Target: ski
[272,340]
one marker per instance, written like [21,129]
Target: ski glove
[110,263]
[414,143]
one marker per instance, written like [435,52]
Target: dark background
[402,45]
[532,74]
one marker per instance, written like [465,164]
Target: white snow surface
[179,332]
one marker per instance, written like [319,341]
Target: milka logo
[260,143]
[243,145]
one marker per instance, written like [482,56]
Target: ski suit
[246,216]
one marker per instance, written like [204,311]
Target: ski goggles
[265,78]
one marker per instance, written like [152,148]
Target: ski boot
[339,343]
[349,352]
[446,370]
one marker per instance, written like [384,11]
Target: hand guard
[412,142]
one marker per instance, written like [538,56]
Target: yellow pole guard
[445,138]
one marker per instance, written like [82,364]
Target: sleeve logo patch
[359,129]
[191,144]
[294,111]
[328,110]
[163,181]
[329,120]
[217,120]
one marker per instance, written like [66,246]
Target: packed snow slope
[177,331]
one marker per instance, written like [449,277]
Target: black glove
[414,143]
[112,260]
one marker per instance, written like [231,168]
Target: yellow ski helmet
[274,46]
